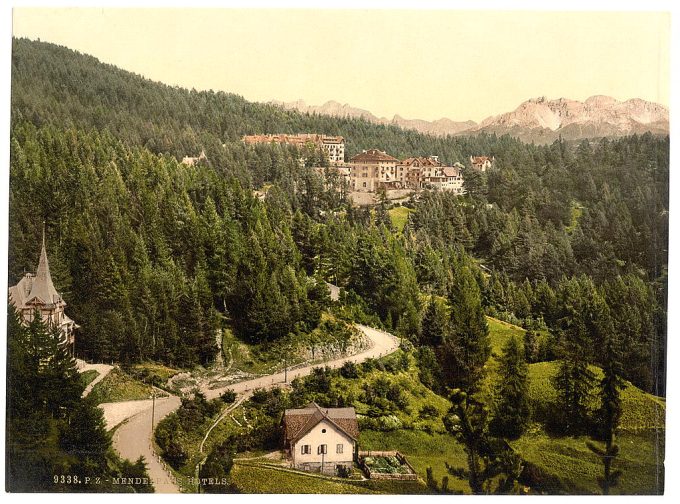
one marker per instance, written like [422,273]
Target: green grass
[572,462]
[576,211]
[252,478]
[422,450]
[416,394]
[500,332]
[425,443]
[148,371]
[119,386]
[567,458]
[268,357]
[399,216]
[88,376]
[641,410]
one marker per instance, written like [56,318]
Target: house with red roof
[320,439]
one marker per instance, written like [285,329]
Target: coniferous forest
[152,256]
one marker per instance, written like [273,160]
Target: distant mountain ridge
[440,127]
[536,120]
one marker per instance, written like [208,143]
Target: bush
[368,365]
[349,370]
[429,411]
[217,467]
[344,471]
[228,396]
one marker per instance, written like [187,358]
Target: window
[338,448]
[306,449]
[323,431]
[322,449]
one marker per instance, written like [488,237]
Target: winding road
[132,439]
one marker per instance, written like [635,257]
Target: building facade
[320,439]
[371,170]
[37,294]
[333,146]
[482,163]
[430,173]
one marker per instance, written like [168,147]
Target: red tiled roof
[373,155]
[420,161]
[451,171]
[297,422]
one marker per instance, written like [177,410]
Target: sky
[424,64]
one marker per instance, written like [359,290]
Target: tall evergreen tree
[434,324]
[608,416]
[511,409]
[466,347]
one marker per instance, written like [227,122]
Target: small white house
[320,439]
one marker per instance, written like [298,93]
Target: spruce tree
[433,324]
[466,346]
[217,468]
[608,416]
[511,410]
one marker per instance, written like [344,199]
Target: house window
[338,448]
[322,449]
[306,449]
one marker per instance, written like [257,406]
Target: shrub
[228,396]
[368,365]
[344,471]
[349,370]
[429,411]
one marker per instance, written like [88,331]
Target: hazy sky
[419,64]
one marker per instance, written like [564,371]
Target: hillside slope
[55,85]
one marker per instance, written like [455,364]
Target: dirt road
[133,438]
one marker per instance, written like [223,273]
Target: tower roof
[43,289]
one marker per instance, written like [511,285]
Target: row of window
[321,449]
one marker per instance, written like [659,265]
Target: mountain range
[536,120]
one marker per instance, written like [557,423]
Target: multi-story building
[333,146]
[415,169]
[430,173]
[446,178]
[482,163]
[36,294]
[320,439]
[371,170]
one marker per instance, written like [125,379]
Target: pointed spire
[43,288]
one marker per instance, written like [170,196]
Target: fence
[410,476]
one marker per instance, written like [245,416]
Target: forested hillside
[148,251]
[154,257]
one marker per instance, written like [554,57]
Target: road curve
[102,369]
[133,438]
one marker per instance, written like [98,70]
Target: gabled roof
[298,422]
[372,156]
[421,161]
[451,171]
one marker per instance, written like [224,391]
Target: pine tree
[433,324]
[608,416]
[531,346]
[214,473]
[466,346]
[467,421]
[512,410]
[493,467]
